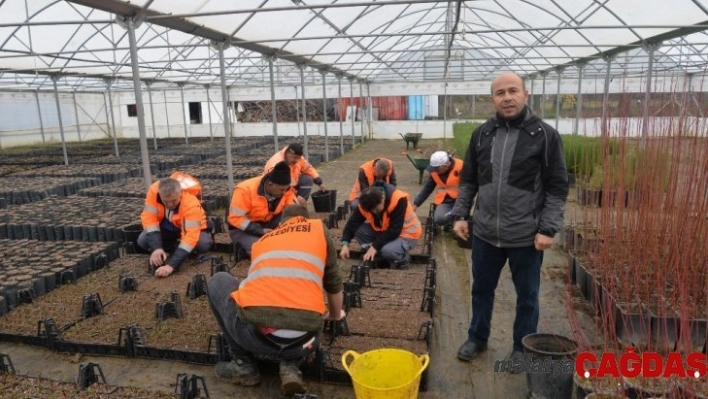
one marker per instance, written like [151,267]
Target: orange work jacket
[449,187]
[302,167]
[287,268]
[189,217]
[411,225]
[369,169]
[247,205]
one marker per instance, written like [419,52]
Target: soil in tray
[129,308]
[63,304]
[14,386]
[139,307]
[192,332]
[362,344]
[378,298]
[386,323]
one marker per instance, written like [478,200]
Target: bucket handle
[425,360]
[346,354]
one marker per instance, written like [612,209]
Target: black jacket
[517,171]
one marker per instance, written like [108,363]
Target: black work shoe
[469,350]
[401,265]
[291,378]
[516,357]
[240,371]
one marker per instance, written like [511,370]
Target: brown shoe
[291,378]
[240,371]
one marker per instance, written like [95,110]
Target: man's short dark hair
[371,197]
[296,148]
[295,210]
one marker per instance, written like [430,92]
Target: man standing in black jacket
[515,167]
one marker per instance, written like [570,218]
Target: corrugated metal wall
[390,108]
[416,108]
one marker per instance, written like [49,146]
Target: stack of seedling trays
[71,218]
[30,269]
[215,193]
[159,162]
[107,173]
[219,172]
[17,190]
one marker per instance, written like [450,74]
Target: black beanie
[280,174]
[296,148]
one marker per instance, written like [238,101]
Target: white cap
[438,158]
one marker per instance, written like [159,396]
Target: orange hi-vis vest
[190,217]
[411,224]
[301,167]
[287,268]
[451,186]
[369,169]
[248,206]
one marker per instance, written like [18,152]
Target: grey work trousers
[203,245]
[243,338]
[394,251]
[304,186]
[442,215]
[246,240]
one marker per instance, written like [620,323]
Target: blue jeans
[487,264]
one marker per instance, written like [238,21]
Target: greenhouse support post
[324,113]
[273,109]
[61,122]
[167,113]
[76,116]
[227,124]
[304,110]
[113,119]
[39,113]
[152,115]
[137,87]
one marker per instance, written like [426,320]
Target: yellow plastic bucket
[385,373]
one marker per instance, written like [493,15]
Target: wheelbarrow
[411,138]
[421,164]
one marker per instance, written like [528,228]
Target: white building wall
[23,126]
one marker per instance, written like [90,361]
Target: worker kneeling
[383,222]
[278,310]
[175,223]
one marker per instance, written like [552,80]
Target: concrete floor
[448,377]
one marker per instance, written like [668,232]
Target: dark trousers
[487,264]
[243,338]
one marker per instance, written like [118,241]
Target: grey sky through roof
[86,41]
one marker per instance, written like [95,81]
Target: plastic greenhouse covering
[178,41]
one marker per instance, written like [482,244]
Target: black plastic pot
[324,201]
[549,385]
[131,234]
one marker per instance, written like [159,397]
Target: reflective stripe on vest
[192,223]
[150,209]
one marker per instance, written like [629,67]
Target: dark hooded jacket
[517,171]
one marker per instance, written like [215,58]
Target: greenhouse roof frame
[83,42]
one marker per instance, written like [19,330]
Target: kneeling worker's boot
[291,378]
[242,370]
